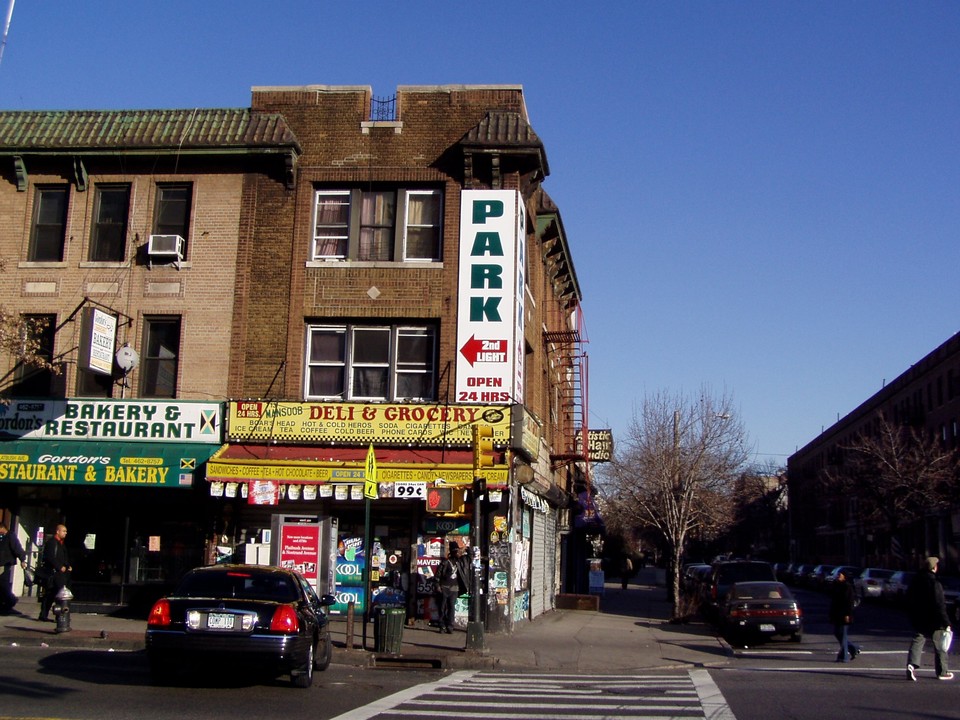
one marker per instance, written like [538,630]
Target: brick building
[351,332]
[366,286]
[122,226]
[827,528]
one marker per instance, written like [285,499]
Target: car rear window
[745,572]
[238,585]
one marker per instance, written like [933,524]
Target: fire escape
[569,364]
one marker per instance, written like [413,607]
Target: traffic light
[482,448]
[446,500]
[439,500]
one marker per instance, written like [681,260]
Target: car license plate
[767,628]
[220,621]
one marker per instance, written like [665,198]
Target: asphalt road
[776,679]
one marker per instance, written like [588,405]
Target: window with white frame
[370,362]
[377,225]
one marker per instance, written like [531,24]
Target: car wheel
[323,653]
[303,676]
[796,637]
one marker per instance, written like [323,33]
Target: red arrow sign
[484,350]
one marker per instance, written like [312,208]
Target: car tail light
[159,615]
[285,620]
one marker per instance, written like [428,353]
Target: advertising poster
[300,550]
[351,561]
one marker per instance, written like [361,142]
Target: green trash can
[388,621]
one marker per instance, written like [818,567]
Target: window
[91,384]
[29,380]
[49,224]
[423,225]
[161,357]
[370,362]
[109,238]
[172,215]
[384,225]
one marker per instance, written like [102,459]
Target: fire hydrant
[61,609]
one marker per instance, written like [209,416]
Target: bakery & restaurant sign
[113,420]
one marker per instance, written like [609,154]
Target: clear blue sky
[760,196]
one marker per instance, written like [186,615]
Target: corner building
[410,280]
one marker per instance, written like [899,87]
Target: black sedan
[248,616]
[760,609]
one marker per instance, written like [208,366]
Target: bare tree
[676,469]
[761,511]
[20,338]
[897,473]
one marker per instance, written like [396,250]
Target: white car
[870,583]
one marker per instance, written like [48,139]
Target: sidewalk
[630,633]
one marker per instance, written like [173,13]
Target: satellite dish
[127,358]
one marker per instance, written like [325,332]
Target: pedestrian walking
[928,613]
[842,605]
[11,551]
[57,569]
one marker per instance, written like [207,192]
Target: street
[772,680]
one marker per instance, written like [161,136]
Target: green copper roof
[207,130]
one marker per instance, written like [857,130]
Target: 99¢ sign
[410,490]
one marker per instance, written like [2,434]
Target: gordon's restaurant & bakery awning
[104,463]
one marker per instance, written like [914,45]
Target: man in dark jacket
[57,564]
[928,613]
[842,602]
[449,584]
[11,551]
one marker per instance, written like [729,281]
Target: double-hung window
[161,356]
[370,362]
[37,334]
[48,233]
[172,211]
[392,225]
[108,240]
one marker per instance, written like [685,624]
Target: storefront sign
[600,445]
[116,464]
[303,473]
[114,420]
[97,332]
[360,424]
[490,314]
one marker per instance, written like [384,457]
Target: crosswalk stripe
[477,694]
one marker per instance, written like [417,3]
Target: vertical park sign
[490,313]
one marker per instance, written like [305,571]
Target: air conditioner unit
[165,247]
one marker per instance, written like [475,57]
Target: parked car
[690,578]
[725,574]
[760,609]
[869,585]
[814,579]
[798,574]
[849,571]
[895,588]
[951,591]
[241,616]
